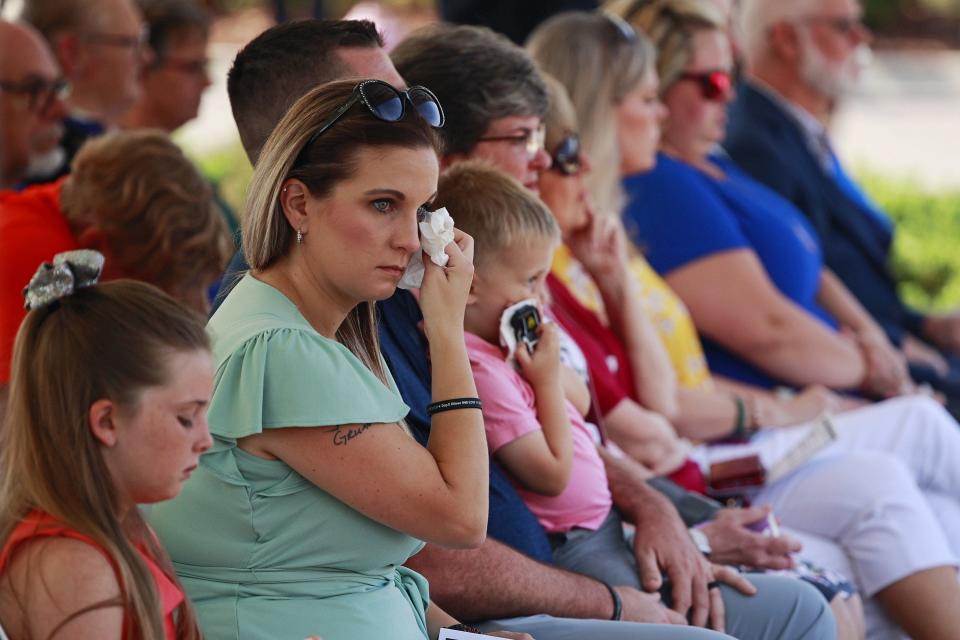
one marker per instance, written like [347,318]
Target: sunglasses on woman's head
[566,157]
[387,103]
[715,86]
[624,28]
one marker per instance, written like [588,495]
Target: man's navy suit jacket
[770,145]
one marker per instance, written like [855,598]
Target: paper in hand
[436,232]
[451,634]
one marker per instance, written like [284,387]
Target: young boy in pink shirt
[533,412]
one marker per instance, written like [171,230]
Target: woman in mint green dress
[298,519]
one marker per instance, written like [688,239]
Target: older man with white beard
[803,57]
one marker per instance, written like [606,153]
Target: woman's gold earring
[299,236]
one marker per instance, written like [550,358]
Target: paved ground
[906,118]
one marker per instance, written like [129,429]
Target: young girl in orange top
[107,411]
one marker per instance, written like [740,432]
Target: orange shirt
[41,525]
[32,230]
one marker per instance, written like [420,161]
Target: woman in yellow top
[610,108]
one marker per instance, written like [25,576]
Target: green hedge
[230,170]
[927,247]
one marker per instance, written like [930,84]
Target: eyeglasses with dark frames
[715,86]
[566,157]
[40,92]
[387,103]
[532,139]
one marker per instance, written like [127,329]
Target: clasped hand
[662,545]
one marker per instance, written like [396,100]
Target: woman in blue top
[743,259]
[314,493]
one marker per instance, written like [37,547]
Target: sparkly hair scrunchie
[70,270]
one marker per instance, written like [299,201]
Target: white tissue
[436,232]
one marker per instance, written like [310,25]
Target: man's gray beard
[830,81]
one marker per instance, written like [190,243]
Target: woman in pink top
[107,411]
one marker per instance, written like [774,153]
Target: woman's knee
[922,413]
[852,480]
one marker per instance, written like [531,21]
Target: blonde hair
[671,25]
[291,153]
[493,208]
[561,117]
[106,341]
[156,212]
[599,64]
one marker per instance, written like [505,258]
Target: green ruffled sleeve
[292,377]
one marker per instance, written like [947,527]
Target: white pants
[870,492]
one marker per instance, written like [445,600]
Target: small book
[734,476]
[743,475]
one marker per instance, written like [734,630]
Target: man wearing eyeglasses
[31,106]
[101,47]
[174,82]
[803,57]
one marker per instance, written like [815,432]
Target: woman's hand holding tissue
[436,232]
[443,294]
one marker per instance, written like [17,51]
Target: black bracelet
[454,404]
[463,627]
[617,602]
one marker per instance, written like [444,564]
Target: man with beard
[802,58]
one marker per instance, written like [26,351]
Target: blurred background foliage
[926,255]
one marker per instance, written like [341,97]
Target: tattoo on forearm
[343,435]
